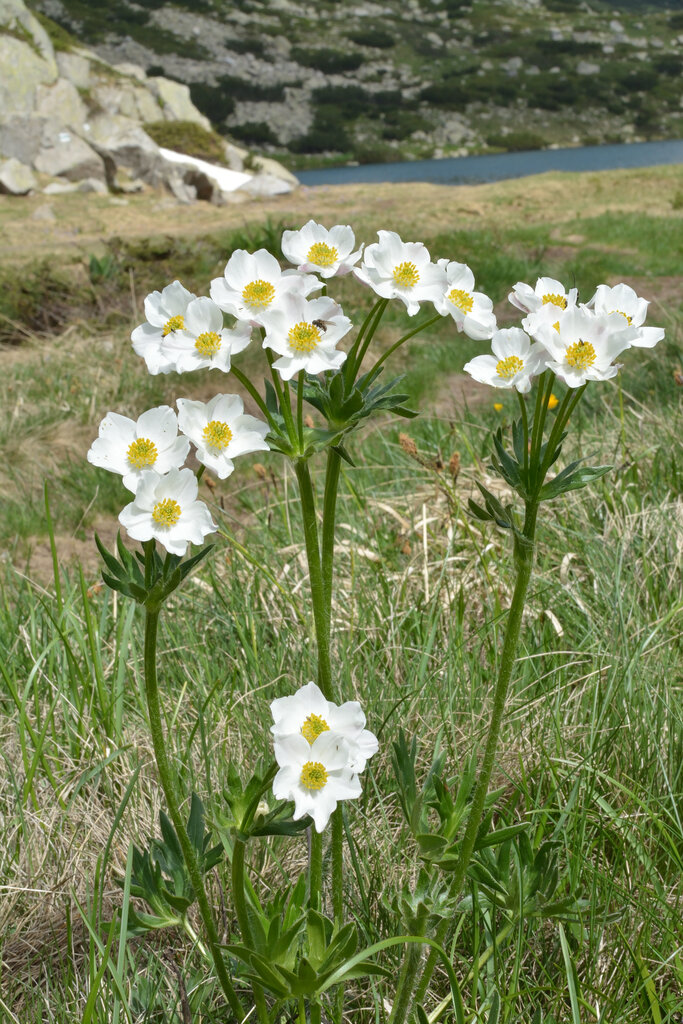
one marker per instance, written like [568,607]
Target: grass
[592,757]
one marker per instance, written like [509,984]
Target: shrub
[212,100]
[374,37]
[516,142]
[245,89]
[254,133]
[399,124]
[189,138]
[374,153]
[330,62]
[250,44]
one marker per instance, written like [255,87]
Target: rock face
[73,116]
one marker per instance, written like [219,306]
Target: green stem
[300,409]
[361,348]
[525,425]
[168,785]
[249,387]
[350,368]
[315,876]
[334,462]
[320,618]
[401,341]
[411,962]
[524,557]
[239,897]
[569,403]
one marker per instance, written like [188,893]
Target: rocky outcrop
[74,117]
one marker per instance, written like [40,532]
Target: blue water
[468,170]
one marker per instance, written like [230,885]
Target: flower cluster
[577,342]
[321,748]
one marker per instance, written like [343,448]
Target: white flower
[308,713]
[513,363]
[472,311]
[221,431]
[314,775]
[166,508]
[205,344]
[401,270]
[254,283]
[622,299]
[165,312]
[304,334]
[314,249]
[130,448]
[547,292]
[584,345]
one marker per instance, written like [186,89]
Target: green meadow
[580,920]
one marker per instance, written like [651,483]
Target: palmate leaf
[571,479]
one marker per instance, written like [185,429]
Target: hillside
[378,80]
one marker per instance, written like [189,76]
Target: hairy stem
[168,784]
[239,897]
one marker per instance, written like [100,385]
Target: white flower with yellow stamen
[472,311]
[308,713]
[401,270]
[166,508]
[314,775]
[204,344]
[316,250]
[304,333]
[515,361]
[131,447]
[254,283]
[622,299]
[546,292]
[583,346]
[165,312]
[221,431]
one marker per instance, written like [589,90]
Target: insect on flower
[322,325]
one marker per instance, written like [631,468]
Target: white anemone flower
[515,361]
[204,344]
[316,250]
[544,304]
[166,508]
[165,312]
[401,270]
[254,283]
[314,775]
[131,447]
[308,713]
[472,311]
[221,431]
[303,333]
[583,346]
[622,299]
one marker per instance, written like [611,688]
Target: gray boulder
[21,136]
[16,179]
[61,103]
[75,67]
[266,185]
[64,154]
[125,149]
[22,70]
[174,99]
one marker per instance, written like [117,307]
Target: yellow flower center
[258,293]
[176,323]
[507,368]
[625,315]
[208,344]
[313,727]
[322,254]
[141,453]
[463,300]
[217,435]
[166,513]
[313,775]
[581,355]
[555,299]
[406,275]
[303,337]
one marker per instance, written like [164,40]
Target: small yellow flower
[498,406]
[553,402]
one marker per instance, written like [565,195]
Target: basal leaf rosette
[221,431]
[314,775]
[583,346]
[308,713]
[204,343]
[315,249]
[165,312]
[402,270]
[166,509]
[624,300]
[514,363]
[472,311]
[133,447]
[304,334]
[254,283]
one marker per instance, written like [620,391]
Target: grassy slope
[593,749]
